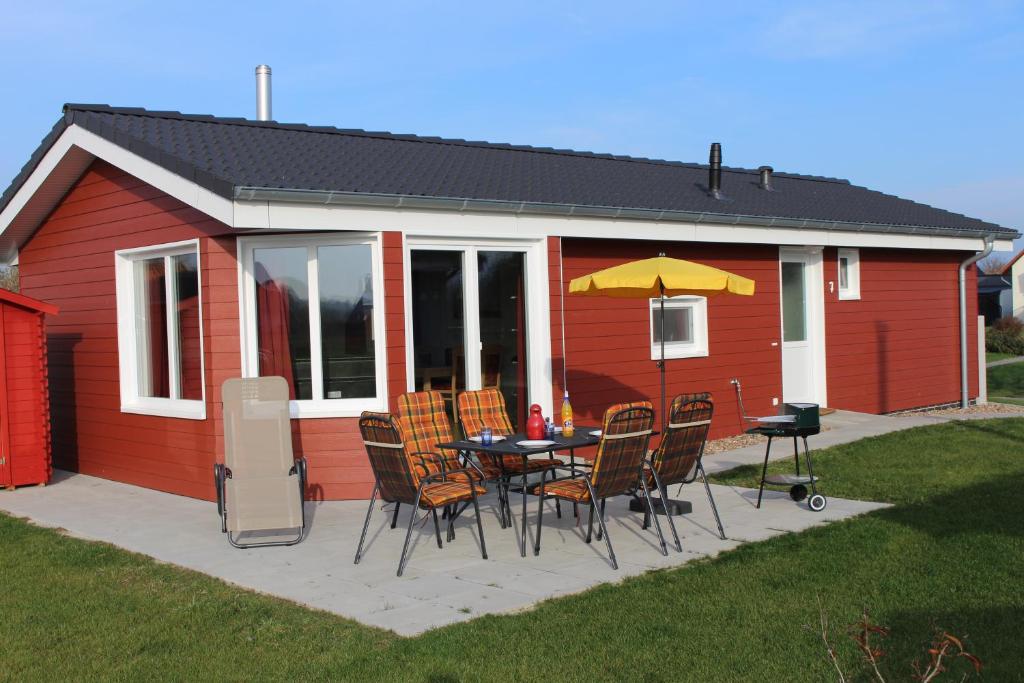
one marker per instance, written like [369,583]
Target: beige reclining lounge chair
[260,486]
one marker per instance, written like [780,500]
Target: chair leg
[540,517]
[437,528]
[602,520]
[366,524]
[558,502]
[603,530]
[501,503]
[668,509]
[764,472]
[479,524]
[394,517]
[711,499]
[650,508]
[408,533]
[590,523]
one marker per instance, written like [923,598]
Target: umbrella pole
[664,416]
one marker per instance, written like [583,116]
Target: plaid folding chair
[677,459]
[617,470]
[425,485]
[486,408]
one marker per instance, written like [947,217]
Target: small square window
[160,338]
[849,274]
[685,327]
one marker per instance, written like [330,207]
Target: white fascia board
[76,139]
[297,216]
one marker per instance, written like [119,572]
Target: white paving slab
[440,586]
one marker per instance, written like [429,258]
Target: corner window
[159,328]
[686,327]
[849,274]
[313,314]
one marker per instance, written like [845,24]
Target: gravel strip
[987,409]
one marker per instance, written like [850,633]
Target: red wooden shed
[24,394]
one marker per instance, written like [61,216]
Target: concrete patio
[439,587]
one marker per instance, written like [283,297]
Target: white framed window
[686,327]
[160,330]
[849,274]
[312,311]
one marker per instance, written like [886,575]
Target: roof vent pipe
[715,170]
[766,177]
[968,262]
[263,112]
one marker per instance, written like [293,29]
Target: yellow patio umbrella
[661,277]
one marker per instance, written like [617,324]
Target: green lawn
[1006,383]
[950,554]
[995,355]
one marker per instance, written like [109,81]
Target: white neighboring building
[1014,270]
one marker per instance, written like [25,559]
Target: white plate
[496,438]
[535,443]
[596,432]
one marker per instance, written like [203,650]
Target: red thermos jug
[535,425]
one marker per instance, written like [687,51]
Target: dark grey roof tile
[222,154]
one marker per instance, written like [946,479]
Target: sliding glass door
[469,298]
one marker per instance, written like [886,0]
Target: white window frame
[698,348]
[852,289]
[127,340]
[318,406]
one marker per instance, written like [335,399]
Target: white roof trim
[467,224]
[65,162]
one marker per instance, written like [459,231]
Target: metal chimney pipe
[263,110]
[766,177]
[715,170]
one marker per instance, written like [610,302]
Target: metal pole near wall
[664,417]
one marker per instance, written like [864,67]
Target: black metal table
[581,438]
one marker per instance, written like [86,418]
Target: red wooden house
[184,250]
[24,392]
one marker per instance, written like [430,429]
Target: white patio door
[470,314]
[803,325]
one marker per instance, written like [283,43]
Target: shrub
[1009,323]
[1002,341]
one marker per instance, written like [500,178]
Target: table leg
[522,546]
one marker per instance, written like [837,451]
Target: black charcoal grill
[797,421]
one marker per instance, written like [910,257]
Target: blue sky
[920,99]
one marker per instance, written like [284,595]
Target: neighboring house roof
[242,159]
[1009,264]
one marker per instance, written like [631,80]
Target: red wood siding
[608,340]
[898,346]
[70,262]
[24,407]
